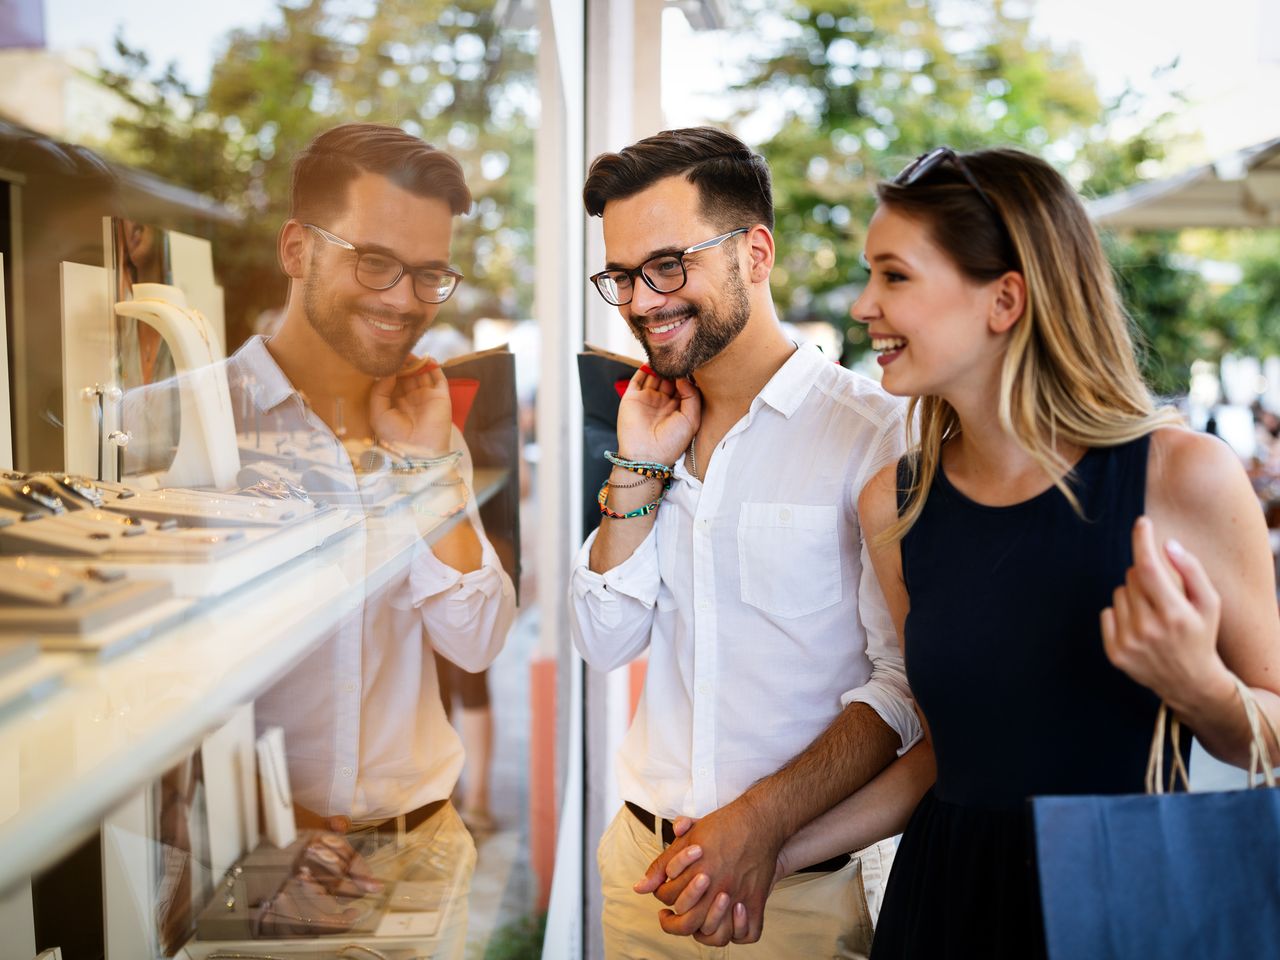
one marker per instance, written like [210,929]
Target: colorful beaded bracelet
[603,500]
[646,468]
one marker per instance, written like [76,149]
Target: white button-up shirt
[754,596]
[366,734]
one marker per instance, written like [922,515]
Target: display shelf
[118,724]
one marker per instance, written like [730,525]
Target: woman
[1060,554]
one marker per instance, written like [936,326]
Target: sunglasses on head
[920,167]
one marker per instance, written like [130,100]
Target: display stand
[6,431]
[89,382]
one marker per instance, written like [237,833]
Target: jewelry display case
[181,532]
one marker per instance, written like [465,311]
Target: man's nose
[400,295]
[644,299]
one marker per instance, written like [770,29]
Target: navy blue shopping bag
[1164,875]
[1173,875]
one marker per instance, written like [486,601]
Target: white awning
[1240,190]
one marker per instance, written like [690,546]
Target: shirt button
[704,525]
[346,771]
[704,688]
[348,687]
[702,771]
[784,515]
[703,605]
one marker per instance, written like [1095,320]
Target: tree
[441,69]
[868,86]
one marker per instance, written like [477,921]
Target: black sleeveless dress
[1004,655]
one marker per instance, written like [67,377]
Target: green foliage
[519,940]
[442,69]
[867,86]
[1167,304]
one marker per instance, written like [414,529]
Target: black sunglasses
[920,167]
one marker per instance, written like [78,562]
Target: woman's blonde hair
[1069,372]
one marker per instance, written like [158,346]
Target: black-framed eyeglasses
[664,273]
[920,167]
[378,271]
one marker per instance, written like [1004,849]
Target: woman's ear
[1010,302]
[760,251]
[291,248]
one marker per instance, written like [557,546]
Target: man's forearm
[618,539]
[460,548]
[848,754]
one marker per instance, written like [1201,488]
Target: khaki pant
[809,916]
[440,849]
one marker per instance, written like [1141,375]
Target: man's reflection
[366,250]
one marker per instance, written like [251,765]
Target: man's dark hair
[322,171]
[733,182]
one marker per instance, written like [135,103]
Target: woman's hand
[1162,626]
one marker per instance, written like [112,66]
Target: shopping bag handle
[1259,753]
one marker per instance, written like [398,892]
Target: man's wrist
[768,827]
[407,450]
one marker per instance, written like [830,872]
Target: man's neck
[732,379]
[322,376]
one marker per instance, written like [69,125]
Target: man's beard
[335,321]
[713,330]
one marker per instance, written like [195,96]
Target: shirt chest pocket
[789,557]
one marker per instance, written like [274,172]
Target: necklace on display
[693,456]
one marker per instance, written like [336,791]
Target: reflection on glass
[140,254]
[391,457]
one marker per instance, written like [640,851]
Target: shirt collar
[270,386]
[788,387]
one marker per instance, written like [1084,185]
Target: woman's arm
[878,811]
[1198,606]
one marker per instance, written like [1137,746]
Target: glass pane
[281,582]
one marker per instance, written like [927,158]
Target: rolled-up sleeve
[886,691]
[611,613]
[467,615]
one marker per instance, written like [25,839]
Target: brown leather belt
[647,820]
[414,818]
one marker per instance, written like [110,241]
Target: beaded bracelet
[648,508]
[425,463]
[456,509]
[646,468]
[631,486]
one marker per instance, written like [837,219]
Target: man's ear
[291,248]
[761,253]
[1010,302]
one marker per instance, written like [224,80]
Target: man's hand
[720,927]
[413,407]
[657,418]
[739,859]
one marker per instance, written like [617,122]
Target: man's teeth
[386,325]
[887,344]
[667,327]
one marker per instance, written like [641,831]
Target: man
[366,249]
[771,652]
